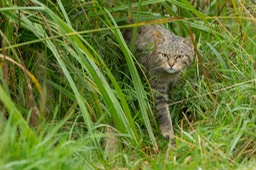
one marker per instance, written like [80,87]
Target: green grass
[67,74]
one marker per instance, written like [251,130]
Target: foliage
[67,74]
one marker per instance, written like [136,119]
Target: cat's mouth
[172,71]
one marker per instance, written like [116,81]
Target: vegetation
[67,75]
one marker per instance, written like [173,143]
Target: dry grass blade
[30,75]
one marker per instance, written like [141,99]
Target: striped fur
[164,56]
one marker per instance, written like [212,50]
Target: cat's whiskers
[158,69]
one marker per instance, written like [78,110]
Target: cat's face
[174,57]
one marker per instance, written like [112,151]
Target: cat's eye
[164,55]
[179,56]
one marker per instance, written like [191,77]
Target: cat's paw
[168,134]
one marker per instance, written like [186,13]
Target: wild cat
[164,56]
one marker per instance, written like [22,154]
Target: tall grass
[67,74]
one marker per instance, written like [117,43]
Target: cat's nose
[171,65]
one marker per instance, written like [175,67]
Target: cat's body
[164,56]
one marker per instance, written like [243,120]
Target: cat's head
[172,53]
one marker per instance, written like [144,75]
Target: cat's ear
[158,38]
[189,40]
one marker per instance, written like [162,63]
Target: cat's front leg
[164,119]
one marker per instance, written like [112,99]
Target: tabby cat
[164,56]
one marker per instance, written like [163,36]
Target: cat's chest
[165,77]
[164,80]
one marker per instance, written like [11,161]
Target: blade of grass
[135,29]
[64,13]
[223,64]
